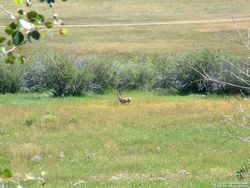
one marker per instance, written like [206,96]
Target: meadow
[163,39]
[93,141]
[159,140]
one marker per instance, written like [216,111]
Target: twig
[239,78]
[243,94]
[227,83]
[238,68]
[197,71]
[207,77]
[248,36]
[11,50]
[241,37]
[232,135]
[7,12]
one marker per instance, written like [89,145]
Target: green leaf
[51,3]
[20,13]
[9,42]
[10,59]
[17,38]
[7,173]
[32,15]
[2,39]
[48,24]
[11,28]
[35,35]
[18,2]
[40,18]
[21,60]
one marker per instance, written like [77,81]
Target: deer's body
[125,100]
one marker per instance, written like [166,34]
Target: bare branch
[232,135]
[245,73]
[207,77]
[7,12]
[241,37]
[11,50]
[203,75]
[227,83]
[248,36]
[239,78]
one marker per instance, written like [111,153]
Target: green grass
[157,141]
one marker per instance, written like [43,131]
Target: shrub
[133,75]
[104,71]
[167,74]
[34,72]
[64,76]
[181,73]
[10,77]
[59,74]
[82,78]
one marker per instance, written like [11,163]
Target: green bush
[63,75]
[104,71]
[181,72]
[82,78]
[132,75]
[59,75]
[10,77]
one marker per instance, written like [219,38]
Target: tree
[25,27]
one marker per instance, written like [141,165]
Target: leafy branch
[23,28]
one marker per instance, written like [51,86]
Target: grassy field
[172,141]
[157,141]
[172,39]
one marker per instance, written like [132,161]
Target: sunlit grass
[157,141]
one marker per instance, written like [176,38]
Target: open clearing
[162,39]
[156,141]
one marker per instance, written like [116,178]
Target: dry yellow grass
[173,39]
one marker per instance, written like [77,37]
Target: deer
[124,100]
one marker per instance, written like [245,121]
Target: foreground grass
[156,141]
